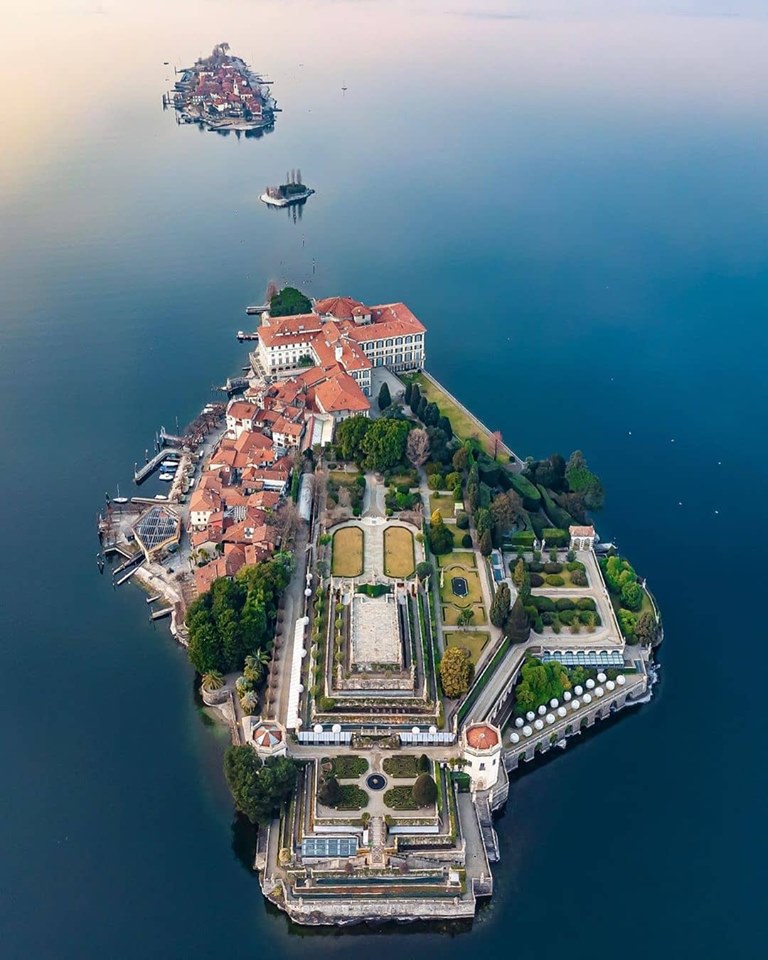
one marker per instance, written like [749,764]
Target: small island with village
[220,92]
[391,610]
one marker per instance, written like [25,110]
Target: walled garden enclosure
[474,642]
[399,561]
[347,552]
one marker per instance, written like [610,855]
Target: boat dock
[159,614]
[258,308]
[141,474]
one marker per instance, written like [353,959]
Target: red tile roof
[481,736]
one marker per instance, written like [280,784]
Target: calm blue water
[576,206]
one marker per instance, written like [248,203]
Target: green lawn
[474,594]
[457,535]
[442,502]
[464,427]
[474,642]
[347,552]
[451,615]
[399,560]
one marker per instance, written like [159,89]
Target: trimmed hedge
[556,537]
[537,580]
[528,491]
[554,580]
[523,538]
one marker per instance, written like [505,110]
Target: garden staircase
[378,839]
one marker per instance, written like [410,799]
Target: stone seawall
[340,913]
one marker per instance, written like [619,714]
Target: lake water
[575,204]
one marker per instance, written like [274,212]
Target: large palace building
[344,333]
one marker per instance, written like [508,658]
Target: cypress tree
[385,400]
[486,543]
[518,626]
[408,393]
[500,605]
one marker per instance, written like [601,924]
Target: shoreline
[342,910]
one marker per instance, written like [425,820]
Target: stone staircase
[378,840]
[485,819]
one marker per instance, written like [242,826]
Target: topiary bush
[462,521]
[579,578]
[554,580]
[553,567]
[544,603]
[535,567]
[466,541]
[424,790]
[537,580]
[586,603]
[564,603]
[567,616]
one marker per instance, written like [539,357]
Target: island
[220,92]
[392,611]
[291,192]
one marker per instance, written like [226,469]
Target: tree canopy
[385,398]
[500,605]
[384,443]
[581,480]
[456,672]
[236,617]
[258,787]
[539,683]
[424,790]
[349,437]
[417,447]
[288,302]
[518,625]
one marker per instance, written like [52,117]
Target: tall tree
[350,434]
[485,543]
[385,399]
[518,626]
[581,480]
[460,459]
[417,447]
[456,672]
[646,628]
[384,443]
[258,788]
[522,580]
[500,605]
[506,509]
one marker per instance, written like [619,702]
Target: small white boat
[169,464]
[118,498]
[166,477]
[161,496]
